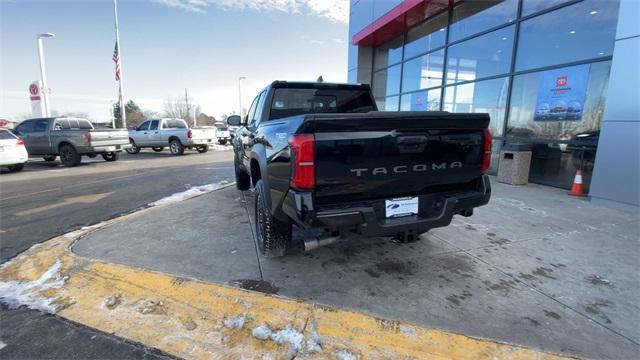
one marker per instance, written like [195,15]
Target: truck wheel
[202,149]
[243,180]
[222,141]
[49,158]
[110,156]
[15,167]
[158,148]
[272,235]
[69,156]
[134,149]
[176,147]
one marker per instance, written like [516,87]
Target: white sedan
[13,154]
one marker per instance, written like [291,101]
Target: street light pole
[43,74]
[240,94]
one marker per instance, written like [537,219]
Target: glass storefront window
[426,36]
[489,96]
[388,53]
[390,104]
[472,17]
[555,122]
[428,100]
[581,31]
[486,55]
[386,82]
[423,72]
[533,6]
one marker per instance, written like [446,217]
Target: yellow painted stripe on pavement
[186,318]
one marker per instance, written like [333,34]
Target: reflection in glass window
[472,17]
[489,96]
[423,72]
[386,82]
[388,53]
[426,36]
[523,107]
[390,104]
[533,6]
[581,31]
[486,55]
[428,100]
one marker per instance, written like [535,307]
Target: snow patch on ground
[188,194]
[27,293]
[288,335]
[235,323]
[345,355]
[262,332]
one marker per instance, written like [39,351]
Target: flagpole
[123,114]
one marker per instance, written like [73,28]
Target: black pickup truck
[321,156]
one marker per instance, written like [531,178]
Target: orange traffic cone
[577,189]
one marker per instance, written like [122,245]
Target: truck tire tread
[272,235]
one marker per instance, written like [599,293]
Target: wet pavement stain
[552,314]
[469,227]
[543,271]
[533,321]
[256,285]
[594,308]
[391,267]
[459,265]
[501,241]
[598,280]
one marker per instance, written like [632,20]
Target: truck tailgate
[201,133]
[108,137]
[386,155]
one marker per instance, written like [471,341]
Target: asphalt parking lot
[60,199]
[535,267]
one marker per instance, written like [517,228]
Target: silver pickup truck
[158,133]
[70,138]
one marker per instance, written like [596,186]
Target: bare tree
[181,108]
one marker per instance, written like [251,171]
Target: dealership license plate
[401,207]
[111,148]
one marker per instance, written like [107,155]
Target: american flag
[116,59]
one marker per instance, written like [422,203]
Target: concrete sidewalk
[534,267]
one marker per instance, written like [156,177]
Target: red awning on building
[398,19]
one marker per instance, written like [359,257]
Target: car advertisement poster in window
[561,94]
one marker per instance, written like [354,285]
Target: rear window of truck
[297,101]
[174,124]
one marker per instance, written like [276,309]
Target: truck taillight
[486,151]
[87,137]
[20,142]
[189,134]
[303,175]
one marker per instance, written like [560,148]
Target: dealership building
[562,76]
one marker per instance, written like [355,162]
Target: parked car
[13,154]
[222,133]
[70,138]
[158,133]
[320,156]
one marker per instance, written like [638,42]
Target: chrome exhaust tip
[316,242]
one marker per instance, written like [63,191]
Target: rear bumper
[102,148]
[201,142]
[435,210]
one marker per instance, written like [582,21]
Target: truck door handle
[408,144]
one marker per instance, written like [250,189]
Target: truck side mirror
[234,120]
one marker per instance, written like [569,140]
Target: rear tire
[69,156]
[110,156]
[272,235]
[222,142]
[158,148]
[134,149]
[15,167]
[202,149]
[243,180]
[49,158]
[176,147]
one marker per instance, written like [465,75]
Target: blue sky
[167,45]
